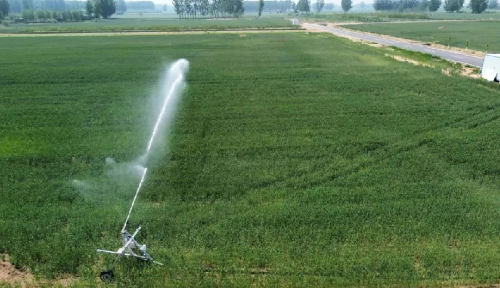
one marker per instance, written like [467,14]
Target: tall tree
[478,6]
[96,4]
[383,5]
[319,5]
[261,7]
[434,5]
[40,15]
[303,6]
[28,15]
[177,7]
[89,8]
[453,5]
[4,7]
[108,8]
[346,5]
[493,4]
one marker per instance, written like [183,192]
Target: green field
[295,160]
[375,17]
[365,17]
[150,24]
[480,35]
[465,14]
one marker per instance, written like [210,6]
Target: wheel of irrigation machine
[107,276]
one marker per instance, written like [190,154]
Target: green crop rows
[366,17]
[397,16]
[478,35]
[295,160]
[150,24]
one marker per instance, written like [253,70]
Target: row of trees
[477,6]
[346,5]
[97,8]
[303,6]
[46,16]
[208,8]
[269,6]
[45,10]
[404,5]
[17,6]
[285,6]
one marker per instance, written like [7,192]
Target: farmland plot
[295,159]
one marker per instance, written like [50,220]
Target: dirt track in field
[142,33]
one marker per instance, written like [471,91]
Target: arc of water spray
[171,92]
[179,66]
[135,197]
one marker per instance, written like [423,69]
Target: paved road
[452,56]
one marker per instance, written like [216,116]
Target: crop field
[365,17]
[150,24]
[480,35]
[374,17]
[465,14]
[296,159]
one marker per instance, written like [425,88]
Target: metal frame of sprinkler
[131,247]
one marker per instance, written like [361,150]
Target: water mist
[172,85]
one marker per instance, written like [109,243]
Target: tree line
[208,8]
[17,6]
[477,6]
[47,16]
[100,8]
[57,10]
[269,6]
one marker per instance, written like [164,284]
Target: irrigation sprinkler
[130,246]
